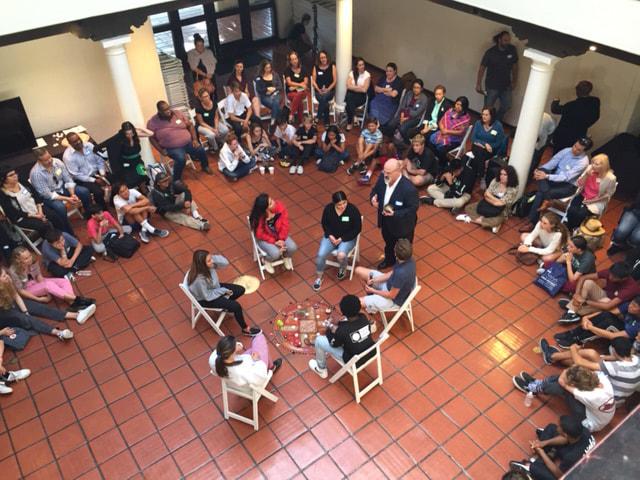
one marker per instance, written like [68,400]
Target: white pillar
[533,105]
[125,89]
[344,26]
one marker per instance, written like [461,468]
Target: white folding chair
[404,308]
[352,367]
[460,150]
[259,254]
[353,255]
[252,393]
[315,104]
[198,310]
[26,234]
[561,206]
[265,112]
[361,113]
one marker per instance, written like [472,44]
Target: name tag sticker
[58,172]
[178,122]
[494,133]
[509,56]
[320,72]
[206,114]
[126,165]
[398,203]
[345,218]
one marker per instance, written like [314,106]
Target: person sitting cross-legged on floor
[63,254]
[545,240]
[9,376]
[557,448]
[591,296]
[588,394]
[384,290]
[578,260]
[367,147]
[99,226]
[233,161]
[174,202]
[134,209]
[622,321]
[305,144]
[205,286]
[341,223]
[269,221]
[349,337]
[621,366]
[420,164]
[453,189]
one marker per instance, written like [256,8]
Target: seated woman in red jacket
[269,221]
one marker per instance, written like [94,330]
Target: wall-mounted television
[16,135]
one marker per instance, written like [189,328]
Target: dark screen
[16,135]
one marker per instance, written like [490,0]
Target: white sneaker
[66,334]
[318,161]
[540,271]
[268,266]
[144,236]
[292,169]
[463,217]
[85,314]
[4,390]
[300,170]
[288,263]
[18,375]
[321,372]
[495,229]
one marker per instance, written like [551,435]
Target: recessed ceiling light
[593,48]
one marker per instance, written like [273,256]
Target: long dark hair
[338,196]
[512,176]
[129,126]
[225,348]
[334,129]
[355,69]
[464,101]
[199,266]
[259,210]
[263,65]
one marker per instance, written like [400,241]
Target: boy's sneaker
[65,334]
[158,232]
[292,170]
[18,375]
[569,317]
[321,372]
[85,314]
[521,384]
[352,169]
[565,341]
[547,351]
[317,284]
[300,170]
[4,390]
[342,271]
[563,303]
[526,377]
[144,236]
[364,180]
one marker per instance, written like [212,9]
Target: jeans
[178,153]
[326,247]
[323,105]
[505,101]
[605,320]
[303,155]
[628,229]
[323,347]
[272,102]
[211,137]
[229,303]
[96,191]
[273,251]
[548,190]
[15,318]
[60,208]
[242,170]
[319,153]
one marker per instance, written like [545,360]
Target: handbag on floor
[522,206]
[121,247]
[552,279]
[329,162]
[526,258]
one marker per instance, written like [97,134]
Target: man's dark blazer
[404,201]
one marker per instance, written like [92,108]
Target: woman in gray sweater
[205,286]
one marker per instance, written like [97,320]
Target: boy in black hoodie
[351,336]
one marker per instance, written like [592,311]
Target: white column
[533,105]
[125,89]
[344,26]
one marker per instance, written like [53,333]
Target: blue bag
[552,279]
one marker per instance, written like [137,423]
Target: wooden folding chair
[198,310]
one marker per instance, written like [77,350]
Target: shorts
[377,303]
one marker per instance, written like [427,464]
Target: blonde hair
[7,292]
[16,264]
[419,138]
[604,159]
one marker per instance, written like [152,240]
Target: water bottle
[83,273]
[528,400]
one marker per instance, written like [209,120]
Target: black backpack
[121,247]
[329,162]
[522,206]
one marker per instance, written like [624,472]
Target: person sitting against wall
[238,76]
[420,165]
[436,109]
[52,181]
[63,254]
[233,161]
[269,88]
[208,122]
[87,168]
[451,129]
[487,140]
[134,209]
[384,104]
[558,178]
[408,114]
[596,186]
[546,239]
[24,207]
[577,116]
[201,60]
[297,83]
[174,136]
[341,224]
[31,285]
[125,156]
[323,78]
[493,209]
[627,233]
[269,220]
[358,83]
[173,200]
[453,188]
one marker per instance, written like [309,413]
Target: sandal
[277,363]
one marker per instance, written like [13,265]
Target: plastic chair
[198,310]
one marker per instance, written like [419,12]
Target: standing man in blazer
[397,202]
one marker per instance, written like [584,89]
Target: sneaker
[495,230]
[463,218]
[569,317]
[547,351]
[18,375]
[455,211]
[300,170]
[69,276]
[85,314]
[526,377]
[144,236]
[565,341]
[292,170]
[205,226]
[427,200]
[366,180]
[521,384]
[317,284]
[66,334]
[318,161]
[342,271]
[564,303]
[540,270]
[252,332]
[4,390]
[158,232]
[352,169]
[519,467]
[362,168]
[321,372]
[288,263]
[93,259]
[268,266]
[277,363]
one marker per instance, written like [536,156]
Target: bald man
[87,169]
[397,202]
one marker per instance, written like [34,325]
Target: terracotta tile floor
[132,395]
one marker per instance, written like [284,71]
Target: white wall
[442,45]
[65,81]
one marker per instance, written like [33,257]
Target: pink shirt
[172,133]
[93,226]
[591,187]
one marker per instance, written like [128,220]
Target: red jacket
[263,232]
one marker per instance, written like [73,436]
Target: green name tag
[345,218]
[206,114]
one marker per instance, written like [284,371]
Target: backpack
[522,206]
[329,162]
[121,247]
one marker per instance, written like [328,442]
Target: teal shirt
[434,114]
